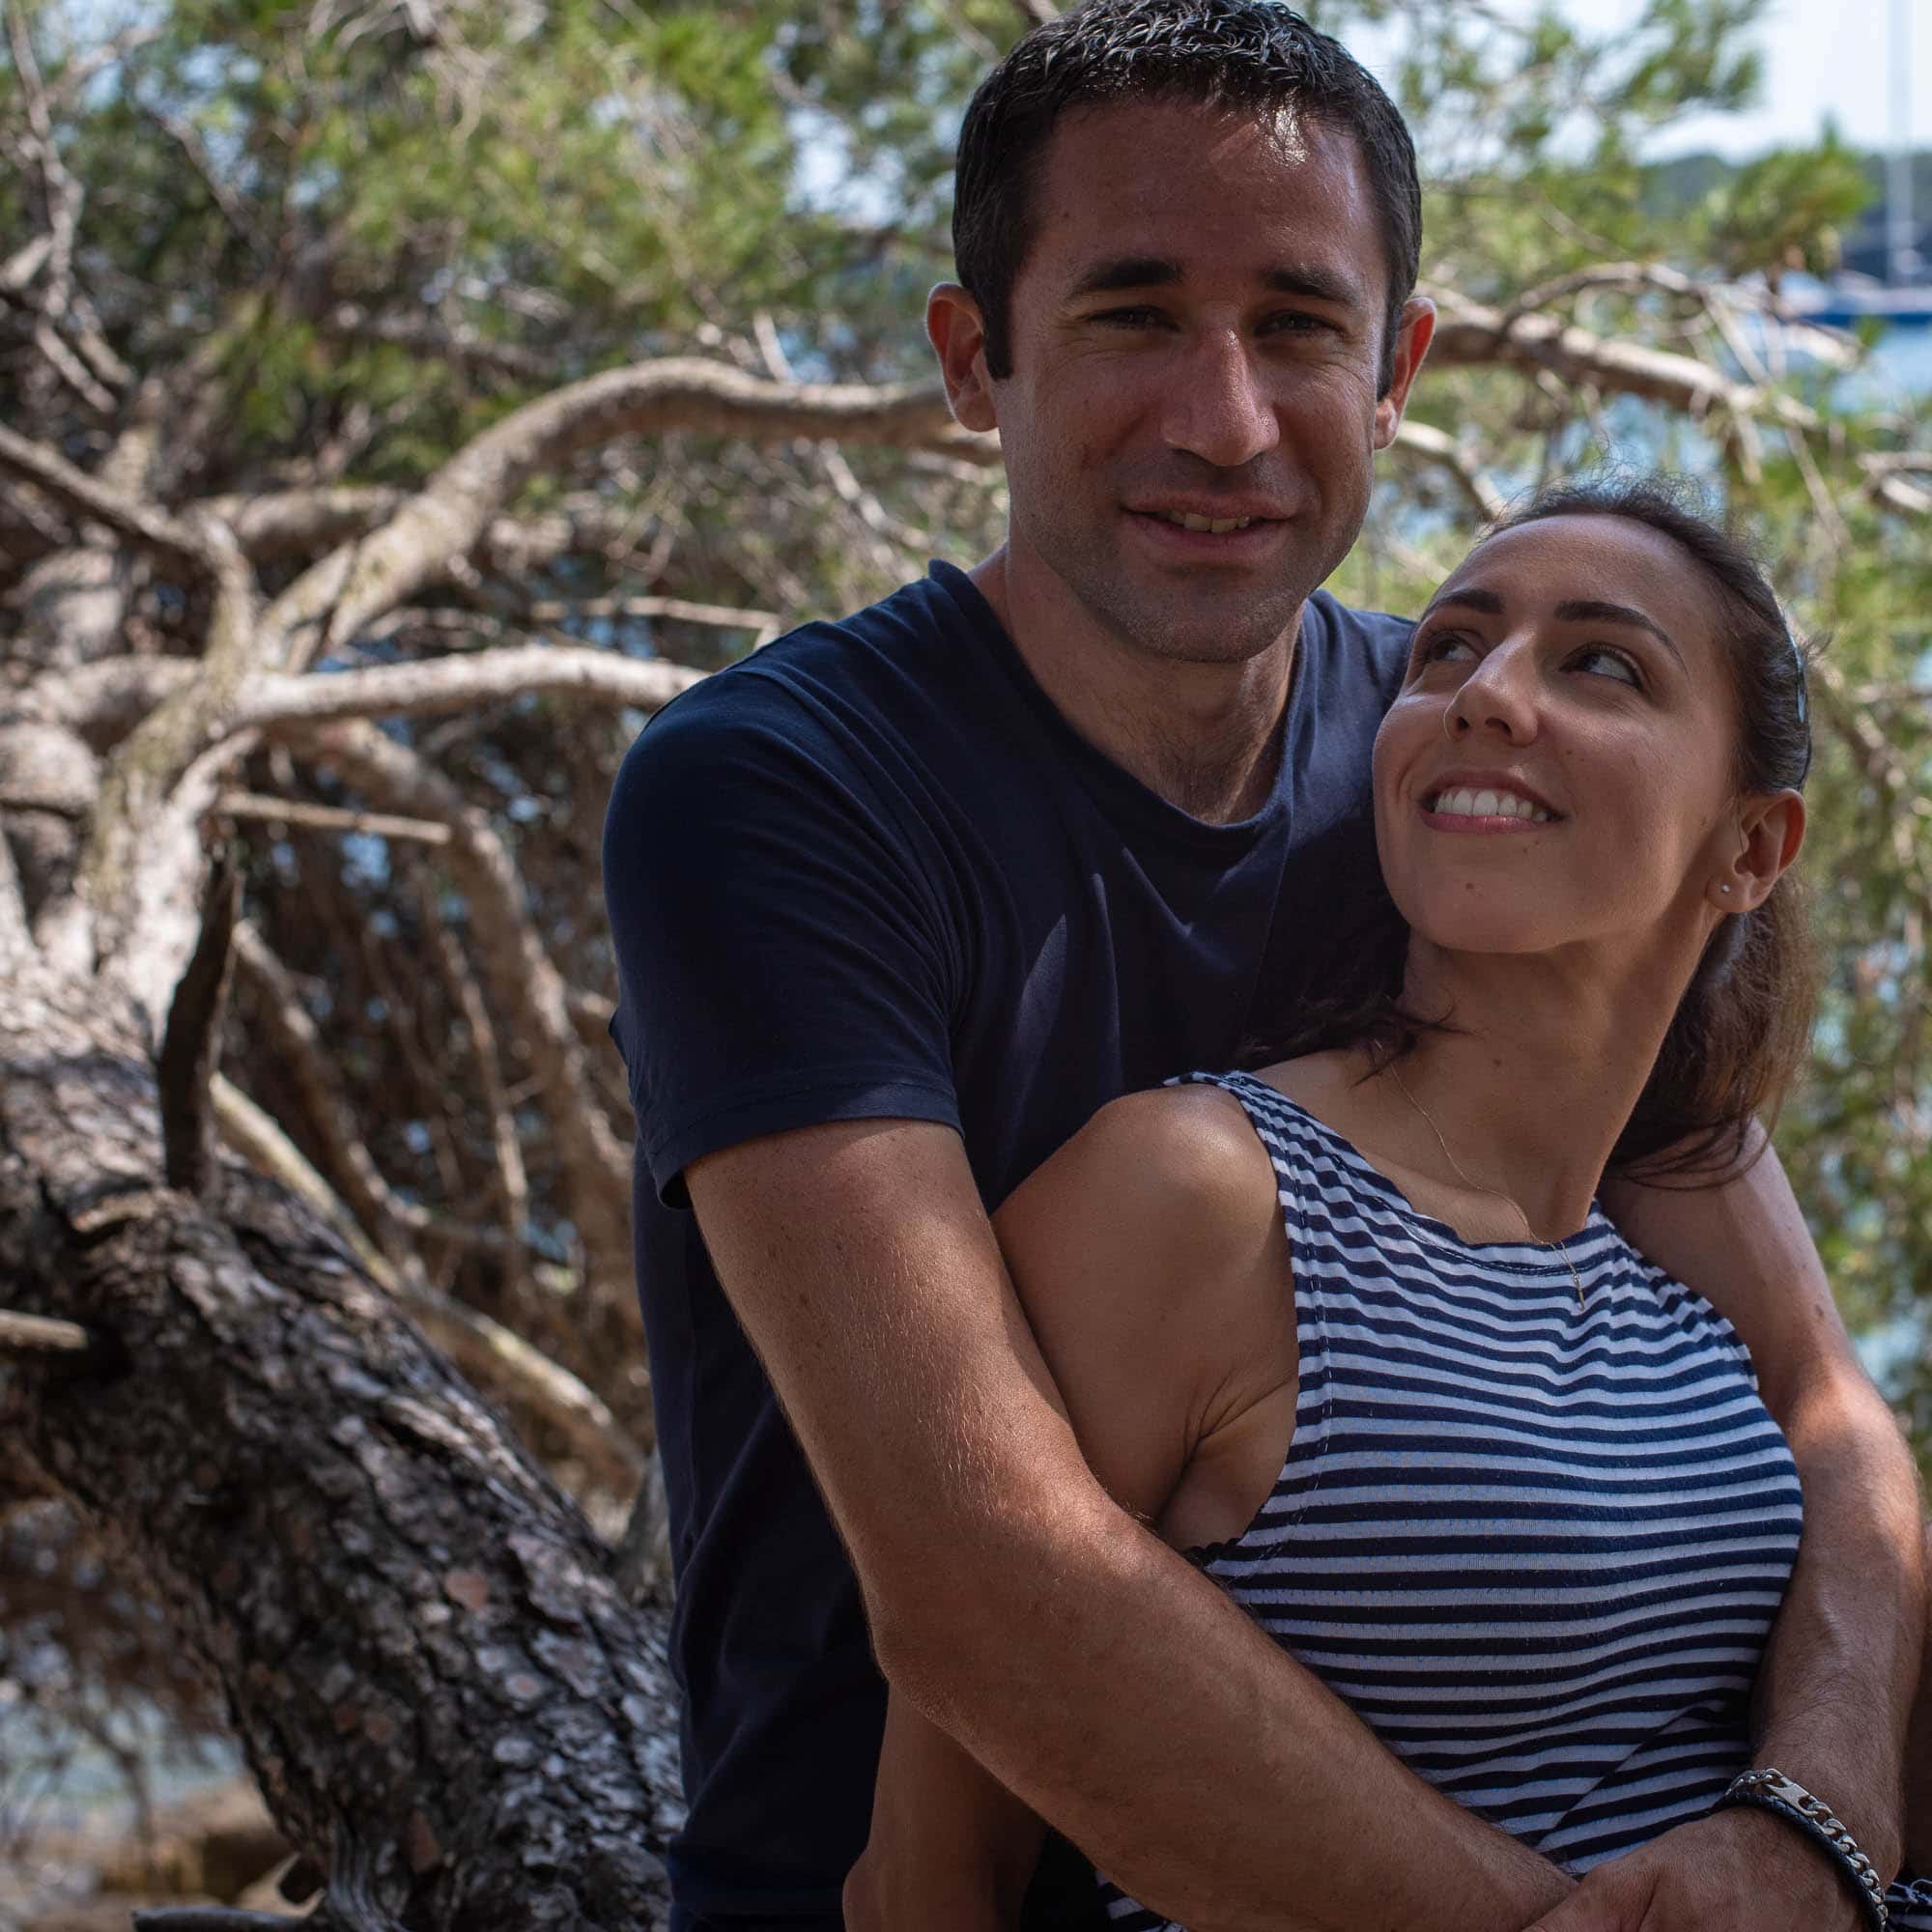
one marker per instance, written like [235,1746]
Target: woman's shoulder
[1187,1149]
[1151,1260]
[1160,1188]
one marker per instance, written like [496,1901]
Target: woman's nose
[1498,696]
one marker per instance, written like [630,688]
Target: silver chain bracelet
[1769,1790]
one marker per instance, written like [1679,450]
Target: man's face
[1195,339]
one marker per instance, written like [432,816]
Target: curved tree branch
[1430,444]
[173,539]
[1470,334]
[354,584]
[459,682]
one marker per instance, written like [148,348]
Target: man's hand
[1735,1871]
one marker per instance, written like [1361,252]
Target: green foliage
[571,184]
[1786,211]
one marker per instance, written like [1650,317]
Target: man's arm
[1838,1678]
[1092,1669]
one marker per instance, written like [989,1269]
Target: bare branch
[1470,334]
[187,138]
[170,538]
[36,1335]
[341,595]
[191,1044]
[258,1138]
[1888,478]
[513,1186]
[297,1044]
[297,522]
[329,817]
[287,523]
[887,536]
[456,683]
[26,261]
[525,990]
[67,85]
[72,370]
[16,938]
[1430,444]
[454,342]
[498,1357]
[140,873]
[765,625]
[105,700]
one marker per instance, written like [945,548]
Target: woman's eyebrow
[1587,610]
[1487,602]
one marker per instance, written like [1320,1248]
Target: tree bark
[448,1703]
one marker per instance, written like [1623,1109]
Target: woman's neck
[1527,1095]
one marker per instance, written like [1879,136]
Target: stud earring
[1725,889]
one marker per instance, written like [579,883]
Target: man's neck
[1207,737]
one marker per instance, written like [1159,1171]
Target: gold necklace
[1476,1186]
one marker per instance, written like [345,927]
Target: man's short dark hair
[1223,53]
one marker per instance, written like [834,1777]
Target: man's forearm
[1918,1755]
[1125,1685]
[1837,1680]
[1092,1670]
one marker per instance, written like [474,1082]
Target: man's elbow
[971,1621]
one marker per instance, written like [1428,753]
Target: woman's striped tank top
[1537,1550]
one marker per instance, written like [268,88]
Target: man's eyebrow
[1311,279]
[1587,610]
[1119,272]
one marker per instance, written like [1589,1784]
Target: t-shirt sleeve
[781,955]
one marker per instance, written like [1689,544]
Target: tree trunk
[449,1705]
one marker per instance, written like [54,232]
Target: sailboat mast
[1902,230]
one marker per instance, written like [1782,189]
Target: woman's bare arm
[1838,1678]
[1108,1242]
[951,1848]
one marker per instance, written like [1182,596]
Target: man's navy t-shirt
[872,871]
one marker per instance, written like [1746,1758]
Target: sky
[1821,57]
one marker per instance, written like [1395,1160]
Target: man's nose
[1220,408]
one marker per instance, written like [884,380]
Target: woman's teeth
[1462,803]
[1188,521]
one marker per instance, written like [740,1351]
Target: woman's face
[1558,766]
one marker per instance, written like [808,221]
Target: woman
[1353,1332]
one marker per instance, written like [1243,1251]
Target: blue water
[1902,361]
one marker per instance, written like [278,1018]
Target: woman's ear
[1770,830]
[957,332]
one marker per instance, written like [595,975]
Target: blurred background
[281,262]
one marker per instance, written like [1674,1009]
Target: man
[901,901]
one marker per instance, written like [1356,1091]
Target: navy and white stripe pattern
[1537,1550]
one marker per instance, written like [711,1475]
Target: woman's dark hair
[1222,53]
[1743,1027]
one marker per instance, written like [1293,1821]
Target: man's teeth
[1462,803]
[1220,525]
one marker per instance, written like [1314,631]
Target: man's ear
[957,332]
[1413,337]
[1772,825]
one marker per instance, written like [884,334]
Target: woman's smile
[1462,802]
